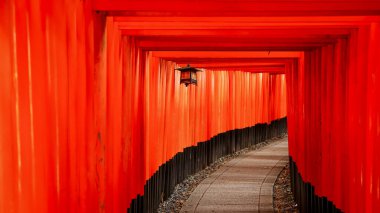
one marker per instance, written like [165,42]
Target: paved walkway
[244,184]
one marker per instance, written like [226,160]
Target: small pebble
[283,199]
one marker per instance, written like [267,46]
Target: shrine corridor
[107,105]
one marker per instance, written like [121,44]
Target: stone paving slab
[244,184]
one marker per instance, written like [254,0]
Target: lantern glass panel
[194,76]
[185,75]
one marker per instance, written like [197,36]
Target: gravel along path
[283,199]
[183,190]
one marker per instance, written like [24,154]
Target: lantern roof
[188,68]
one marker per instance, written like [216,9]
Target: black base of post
[304,194]
[196,158]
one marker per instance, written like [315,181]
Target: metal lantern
[188,75]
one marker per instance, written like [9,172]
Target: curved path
[244,184]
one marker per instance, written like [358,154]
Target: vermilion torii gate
[91,106]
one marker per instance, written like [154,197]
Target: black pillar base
[304,194]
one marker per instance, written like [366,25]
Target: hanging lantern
[188,75]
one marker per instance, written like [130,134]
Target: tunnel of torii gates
[93,117]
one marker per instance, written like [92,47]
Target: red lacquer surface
[91,105]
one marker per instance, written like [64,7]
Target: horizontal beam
[237,69]
[236,8]
[224,26]
[226,54]
[235,64]
[257,33]
[260,61]
[244,68]
[199,25]
[232,45]
[250,20]
[303,47]
[186,60]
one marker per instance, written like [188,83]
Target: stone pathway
[244,184]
